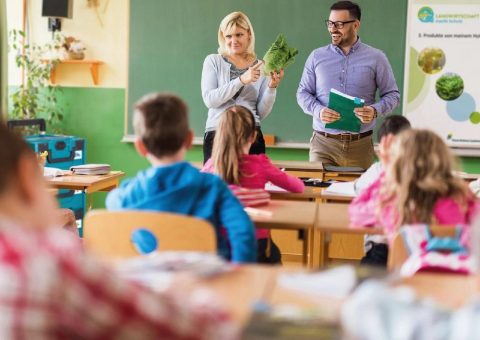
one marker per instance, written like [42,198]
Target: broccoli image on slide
[449,86]
[279,56]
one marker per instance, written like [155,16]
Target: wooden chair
[107,233]
[398,253]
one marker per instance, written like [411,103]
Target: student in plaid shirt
[49,289]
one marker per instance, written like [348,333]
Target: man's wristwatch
[375,114]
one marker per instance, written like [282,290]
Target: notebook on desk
[334,168]
[91,169]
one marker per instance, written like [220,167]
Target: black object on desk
[315,182]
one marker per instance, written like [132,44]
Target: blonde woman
[418,186]
[234,77]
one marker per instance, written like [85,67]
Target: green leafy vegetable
[449,86]
[279,55]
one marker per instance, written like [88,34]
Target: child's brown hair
[235,129]
[160,120]
[12,148]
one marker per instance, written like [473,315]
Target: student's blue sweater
[183,189]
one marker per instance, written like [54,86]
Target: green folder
[344,104]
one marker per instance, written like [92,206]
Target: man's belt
[345,137]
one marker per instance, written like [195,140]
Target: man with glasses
[354,68]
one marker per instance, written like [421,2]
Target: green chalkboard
[169,39]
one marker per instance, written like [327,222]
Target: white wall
[103,30]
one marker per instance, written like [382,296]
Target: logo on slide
[425,14]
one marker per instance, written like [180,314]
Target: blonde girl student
[231,161]
[418,186]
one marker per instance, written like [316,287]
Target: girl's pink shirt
[256,171]
[363,211]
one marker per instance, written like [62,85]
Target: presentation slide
[442,69]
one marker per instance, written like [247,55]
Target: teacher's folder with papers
[344,105]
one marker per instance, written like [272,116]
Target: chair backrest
[108,233]
[398,253]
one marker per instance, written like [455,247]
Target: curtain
[3,59]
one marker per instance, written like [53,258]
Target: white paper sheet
[342,188]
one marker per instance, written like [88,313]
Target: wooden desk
[343,246]
[290,215]
[87,183]
[287,215]
[333,218]
[315,170]
[251,283]
[309,194]
[342,176]
[240,289]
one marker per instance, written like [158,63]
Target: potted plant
[35,97]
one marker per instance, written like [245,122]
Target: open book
[344,104]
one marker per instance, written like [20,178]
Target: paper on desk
[54,172]
[257,212]
[337,282]
[341,188]
[273,188]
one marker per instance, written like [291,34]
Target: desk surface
[89,183]
[310,192]
[326,196]
[333,217]
[254,282]
[286,215]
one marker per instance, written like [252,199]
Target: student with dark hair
[352,67]
[391,126]
[163,136]
[375,246]
[51,289]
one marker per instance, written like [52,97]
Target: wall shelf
[92,63]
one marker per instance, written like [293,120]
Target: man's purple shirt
[359,74]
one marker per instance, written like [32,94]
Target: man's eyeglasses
[337,24]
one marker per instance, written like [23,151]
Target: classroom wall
[97,112]
[102,29]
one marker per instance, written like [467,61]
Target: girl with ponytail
[230,160]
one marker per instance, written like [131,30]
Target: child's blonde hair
[228,24]
[235,129]
[418,174]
